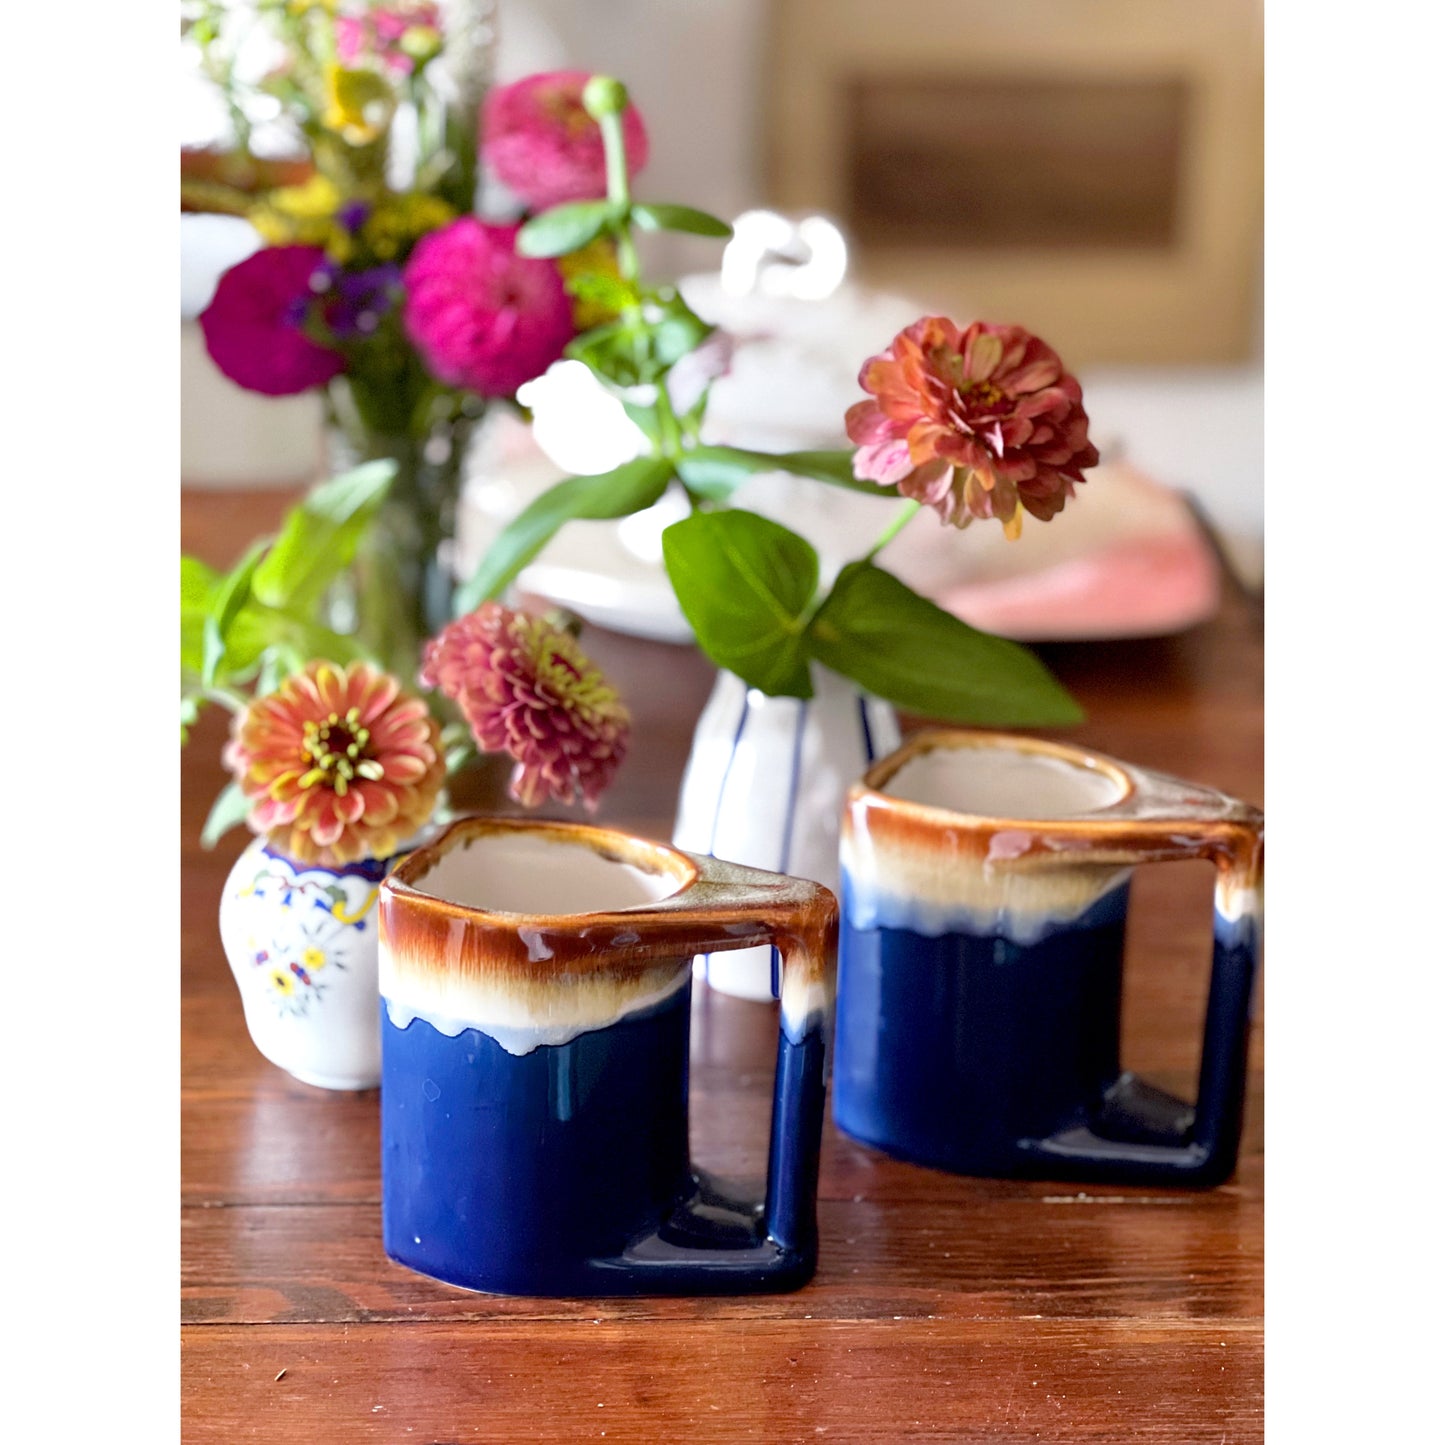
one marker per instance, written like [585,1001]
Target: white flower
[578,423]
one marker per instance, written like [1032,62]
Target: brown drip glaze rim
[871,786]
[657,859]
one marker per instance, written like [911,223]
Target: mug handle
[711,1241]
[1141,1133]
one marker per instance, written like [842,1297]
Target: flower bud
[603,95]
[421,43]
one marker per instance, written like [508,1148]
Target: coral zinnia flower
[253,325]
[527,688]
[342,765]
[972,423]
[482,316]
[540,140]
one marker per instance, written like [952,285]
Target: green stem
[619,193]
[668,423]
[227,697]
[614,147]
[901,519]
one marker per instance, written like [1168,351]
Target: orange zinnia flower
[973,423]
[341,765]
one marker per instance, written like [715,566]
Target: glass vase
[404,578]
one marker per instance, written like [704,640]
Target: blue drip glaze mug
[535,986]
[985,888]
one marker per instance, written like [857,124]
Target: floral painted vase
[764,786]
[301,941]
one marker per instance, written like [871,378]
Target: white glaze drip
[513,1023]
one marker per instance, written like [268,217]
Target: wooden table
[943,1308]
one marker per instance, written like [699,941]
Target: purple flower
[359,299]
[353,216]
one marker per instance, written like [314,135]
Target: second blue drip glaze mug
[985,888]
[535,987]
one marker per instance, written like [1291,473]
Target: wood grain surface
[944,1308]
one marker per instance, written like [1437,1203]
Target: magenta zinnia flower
[539,139]
[339,765]
[482,316]
[526,688]
[253,325]
[972,423]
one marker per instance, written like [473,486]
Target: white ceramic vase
[764,786]
[301,942]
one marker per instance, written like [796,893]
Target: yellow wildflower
[359,104]
[303,215]
[399,219]
[597,258]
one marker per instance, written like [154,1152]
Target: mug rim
[871,786]
[614,844]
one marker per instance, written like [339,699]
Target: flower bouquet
[379,284]
[415,315]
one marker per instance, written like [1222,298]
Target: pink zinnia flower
[391,33]
[482,316]
[526,688]
[972,423]
[539,139]
[340,765]
[253,325]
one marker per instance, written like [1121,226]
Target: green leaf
[902,647]
[716,472]
[833,467]
[745,583]
[319,536]
[227,600]
[229,810]
[191,704]
[629,488]
[615,351]
[197,584]
[680,218]
[644,418]
[711,477]
[609,292]
[676,331]
[563,229]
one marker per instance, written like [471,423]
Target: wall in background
[1092,169]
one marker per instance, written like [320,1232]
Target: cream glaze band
[532,980]
[912,864]
[521,1024]
[521,1019]
[933,891]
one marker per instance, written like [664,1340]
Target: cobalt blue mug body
[536,982]
[985,891]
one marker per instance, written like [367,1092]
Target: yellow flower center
[335,749]
[562,667]
[981,393]
[566,110]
